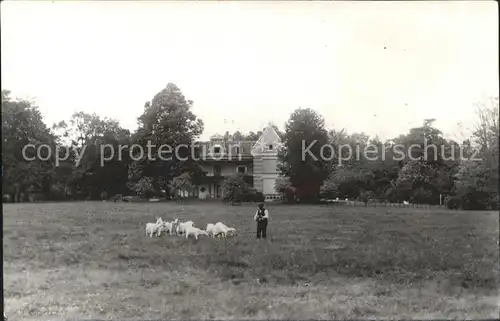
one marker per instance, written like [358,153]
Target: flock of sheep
[178,228]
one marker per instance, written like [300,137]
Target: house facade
[255,160]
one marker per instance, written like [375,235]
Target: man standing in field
[261,217]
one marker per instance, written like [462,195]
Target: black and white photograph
[250,160]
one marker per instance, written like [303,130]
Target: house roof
[245,148]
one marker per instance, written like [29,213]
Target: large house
[256,160]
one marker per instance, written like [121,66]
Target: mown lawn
[93,260]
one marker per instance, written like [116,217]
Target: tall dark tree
[237,135]
[363,165]
[302,158]
[252,136]
[99,164]
[428,168]
[22,124]
[477,178]
[166,120]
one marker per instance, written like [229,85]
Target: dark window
[237,149]
[241,169]
[217,169]
[270,147]
[216,150]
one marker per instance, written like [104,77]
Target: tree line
[429,177]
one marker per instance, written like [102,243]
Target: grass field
[93,260]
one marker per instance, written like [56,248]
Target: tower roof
[216,137]
[268,137]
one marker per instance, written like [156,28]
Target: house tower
[265,160]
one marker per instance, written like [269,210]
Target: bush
[453,202]
[472,200]
[183,183]
[424,196]
[329,189]
[58,192]
[236,189]
[244,195]
[143,188]
[252,195]
[366,196]
[477,201]
[286,190]
[307,193]
[494,201]
[259,197]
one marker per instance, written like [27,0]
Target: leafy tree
[253,136]
[285,189]
[22,124]
[486,136]
[486,132]
[477,180]
[329,189]
[96,139]
[143,187]
[421,180]
[306,172]
[358,171]
[349,181]
[428,170]
[181,182]
[166,120]
[472,185]
[238,136]
[236,189]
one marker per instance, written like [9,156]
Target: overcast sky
[247,63]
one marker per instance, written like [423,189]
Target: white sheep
[230,231]
[220,224]
[214,230]
[406,203]
[152,228]
[169,227]
[165,227]
[223,229]
[181,227]
[191,230]
[211,230]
